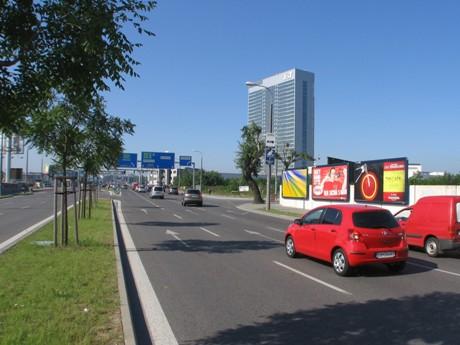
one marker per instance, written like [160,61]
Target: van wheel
[340,263]
[396,267]
[432,247]
[290,247]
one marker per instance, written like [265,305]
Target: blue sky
[387,76]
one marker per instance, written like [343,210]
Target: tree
[289,156]
[74,48]
[250,151]
[102,145]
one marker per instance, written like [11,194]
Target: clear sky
[387,77]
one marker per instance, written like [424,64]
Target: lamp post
[201,169]
[270,131]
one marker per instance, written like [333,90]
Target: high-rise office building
[292,94]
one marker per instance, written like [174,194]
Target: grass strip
[62,295]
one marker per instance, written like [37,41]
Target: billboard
[127,160]
[294,184]
[331,182]
[382,181]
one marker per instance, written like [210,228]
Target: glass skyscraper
[293,110]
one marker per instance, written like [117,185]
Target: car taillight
[354,235]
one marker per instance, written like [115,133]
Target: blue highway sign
[157,160]
[127,160]
[185,161]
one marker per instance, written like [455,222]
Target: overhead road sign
[127,160]
[157,160]
[185,161]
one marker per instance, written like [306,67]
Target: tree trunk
[90,200]
[85,187]
[255,190]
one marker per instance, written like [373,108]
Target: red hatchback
[349,236]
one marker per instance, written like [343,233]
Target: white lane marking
[201,209]
[210,232]
[162,208]
[175,235]
[227,216]
[145,199]
[434,269]
[190,211]
[230,211]
[262,235]
[319,281]
[274,229]
[159,329]
[24,207]
[144,210]
[177,216]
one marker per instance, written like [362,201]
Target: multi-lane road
[222,277]
[20,212]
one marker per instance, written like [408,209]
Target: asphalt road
[20,212]
[222,277]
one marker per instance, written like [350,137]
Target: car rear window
[158,189]
[458,212]
[193,191]
[374,219]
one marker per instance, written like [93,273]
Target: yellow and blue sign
[295,184]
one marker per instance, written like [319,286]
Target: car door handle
[332,230]
[312,229]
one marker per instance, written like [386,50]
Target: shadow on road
[215,247]
[416,320]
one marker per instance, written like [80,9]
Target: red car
[349,236]
[432,223]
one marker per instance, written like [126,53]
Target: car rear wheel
[340,263]
[290,247]
[396,267]
[432,247]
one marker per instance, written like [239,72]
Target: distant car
[157,192]
[432,223]
[349,236]
[141,189]
[192,197]
[173,190]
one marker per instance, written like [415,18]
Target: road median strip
[64,295]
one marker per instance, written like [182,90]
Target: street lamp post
[201,169]
[270,131]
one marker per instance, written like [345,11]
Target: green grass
[62,295]
[283,212]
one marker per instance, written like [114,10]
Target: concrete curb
[224,197]
[244,207]
[126,319]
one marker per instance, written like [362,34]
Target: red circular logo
[369,186]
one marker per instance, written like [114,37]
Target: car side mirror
[298,221]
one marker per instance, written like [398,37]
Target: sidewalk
[276,210]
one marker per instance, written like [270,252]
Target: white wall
[415,193]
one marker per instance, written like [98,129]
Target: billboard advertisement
[331,182]
[294,184]
[382,181]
